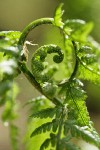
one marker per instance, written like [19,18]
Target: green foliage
[8,89]
[66,117]
[58,16]
[79,30]
[86,134]
[45,113]
[14,133]
[75,97]
[45,127]
[45,144]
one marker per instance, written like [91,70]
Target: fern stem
[31,26]
[76,62]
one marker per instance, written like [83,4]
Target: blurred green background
[15,15]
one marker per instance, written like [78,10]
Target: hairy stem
[31,26]
[76,62]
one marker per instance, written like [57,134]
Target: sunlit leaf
[88,68]
[77,29]
[44,127]
[9,37]
[86,134]
[58,16]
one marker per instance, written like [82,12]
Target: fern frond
[88,73]
[45,144]
[86,134]
[81,114]
[48,112]
[75,97]
[45,127]
[45,113]
[48,141]
[79,29]
[53,139]
[88,68]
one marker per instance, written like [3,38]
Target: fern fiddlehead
[40,68]
[40,71]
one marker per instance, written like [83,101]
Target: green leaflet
[58,16]
[77,102]
[78,30]
[45,127]
[75,98]
[9,38]
[81,114]
[45,113]
[88,73]
[45,144]
[35,104]
[86,134]
[88,68]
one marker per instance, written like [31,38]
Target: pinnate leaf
[45,113]
[87,134]
[45,127]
